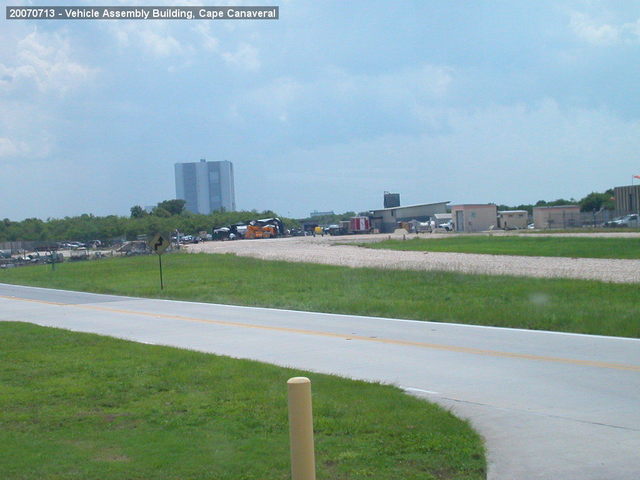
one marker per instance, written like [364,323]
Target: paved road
[550,406]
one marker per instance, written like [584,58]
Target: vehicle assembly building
[206,186]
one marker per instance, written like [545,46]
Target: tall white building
[206,186]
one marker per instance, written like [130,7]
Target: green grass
[579,230]
[81,406]
[518,245]
[567,305]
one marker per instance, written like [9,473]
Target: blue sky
[323,109]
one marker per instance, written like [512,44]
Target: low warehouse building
[561,216]
[386,220]
[627,199]
[513,219]
[474,217]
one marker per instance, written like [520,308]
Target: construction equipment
[265,228]
[259,231]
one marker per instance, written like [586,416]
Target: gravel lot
[332,251]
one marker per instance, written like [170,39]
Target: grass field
[519,245]
[81,406]
[580,230]
[580,306]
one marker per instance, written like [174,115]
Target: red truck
[359,225]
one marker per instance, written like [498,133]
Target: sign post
[159,243]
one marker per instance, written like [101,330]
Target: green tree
[161,212]
[137,212]
[597,201]
[174,207]
[89,227]
[329,219]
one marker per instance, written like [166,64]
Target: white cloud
[273,100]
[160,45]
[21,142]
[44,60]
[245,57]
[406,92]
[426,81]
[604,34]
[503,153]
[152,37]
[209,42]
[170,40]
[8,148]
[421,82]
[36,74]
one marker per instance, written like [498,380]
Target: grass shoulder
[579,306]
[547,231]
[82,406]
[621,248]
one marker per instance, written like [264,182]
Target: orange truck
[265,228]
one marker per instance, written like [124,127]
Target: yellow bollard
[303,465]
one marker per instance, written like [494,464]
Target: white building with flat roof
[206,186]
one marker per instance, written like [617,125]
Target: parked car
[630,220]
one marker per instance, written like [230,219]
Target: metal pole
[301,429]
[160,262]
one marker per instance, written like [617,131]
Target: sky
[323,109]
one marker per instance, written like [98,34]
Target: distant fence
[20,246]
[28,246]
[596,219]
[579,219]
[37,253]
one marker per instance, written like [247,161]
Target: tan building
[627,199]
[473,217]
[513,219]
[561,216]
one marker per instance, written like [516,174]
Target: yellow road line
[8,297]
[317,333]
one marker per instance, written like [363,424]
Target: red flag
[636,176]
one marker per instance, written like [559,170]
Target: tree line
[594,202]
[167,216]
[170,215]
